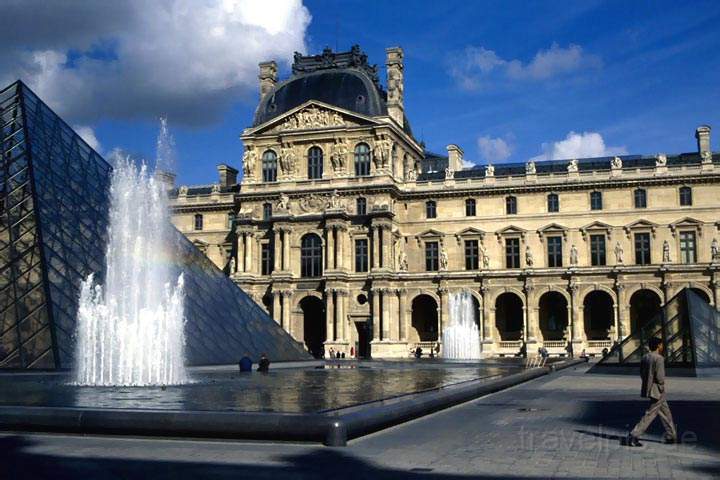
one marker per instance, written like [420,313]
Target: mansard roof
[343,79]
[560,166]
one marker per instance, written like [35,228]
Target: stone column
[329,247]
[715,284]
[286,249]
[287,304]
[387,308]
[623,321]
[531,315]
[277,312]
[331,332]
[340,303]
[443,309]
[386,246]
[402,315]
[374,240]
[376,314]
[277,247]
[247,261]
[575,322]
[339,248]
[486,326]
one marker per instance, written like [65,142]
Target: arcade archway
[509,316]
[553,315]
[598,315]
[425,318]
[314,325]
[644,305]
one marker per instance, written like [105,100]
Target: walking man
[652,373]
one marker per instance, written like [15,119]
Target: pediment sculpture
[312,117]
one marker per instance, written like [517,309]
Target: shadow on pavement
[17,463]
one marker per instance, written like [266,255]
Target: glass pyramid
[690,330]
[54,191]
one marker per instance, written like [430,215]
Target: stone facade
[577,251]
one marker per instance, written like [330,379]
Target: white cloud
[494,149]
[579,145]
[478,63]
[88,134]
[188,59]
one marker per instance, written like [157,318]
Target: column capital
[287,293]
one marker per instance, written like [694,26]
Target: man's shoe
[633,441]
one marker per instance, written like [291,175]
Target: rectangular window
[266,258]
[554,246]
[361,255]
[597,250]
[640,198]
[688,251]
[472,255]
[553,203]
[432,259]
[685,196]
[512,253]
[642,249]
[267,211]
[510,205]
[596,201]
[430,209]
[361,206]
[470,207]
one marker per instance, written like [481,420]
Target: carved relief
[312,203]
[249,161]
[382,152]
[288,160]
[311,117]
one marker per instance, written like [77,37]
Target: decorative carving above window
[311,117]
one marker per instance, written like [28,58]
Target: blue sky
[507,81]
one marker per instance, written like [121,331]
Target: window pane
[688,251]
[553,203]
[315,163]
[511,205]
[311,256]
[685,196]
[470,207]
[198,222]
[596,201]
[361,255]
[640,198]
[597,250]
[430,209]
[642,248]
[361,206]
[512,253]
[362,160]
[269,166]
[266,258]
[267,211]
[472,260]
[554,245]
[431,256]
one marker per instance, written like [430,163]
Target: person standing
[652,374]
[263,364]
[245,363]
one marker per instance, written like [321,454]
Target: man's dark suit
[652,373]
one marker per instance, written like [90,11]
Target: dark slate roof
[560,166]
[343,79]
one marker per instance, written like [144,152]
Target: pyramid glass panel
[54,191]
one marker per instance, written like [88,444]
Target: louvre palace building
[354,237]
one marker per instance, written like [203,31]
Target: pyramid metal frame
[54,202]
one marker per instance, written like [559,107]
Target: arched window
[361,206]
[510,205]
[430,209]
[685,196]
[553,203]
[311,256]
[362,160]
[640,196]
[315,163]
[198,221]
[269,166]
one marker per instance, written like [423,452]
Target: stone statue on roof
[616,163]
[530,168]
[572,166]
[661,160]
[490,170]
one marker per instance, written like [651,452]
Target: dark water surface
[281,390]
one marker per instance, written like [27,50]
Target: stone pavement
[564,425]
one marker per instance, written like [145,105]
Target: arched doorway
[314,326]
[598,315]
[553,316]
[509,316]
[425,318]
[644,305]
[701,293]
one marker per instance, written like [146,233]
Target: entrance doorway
[509,316]
[425,318]
[362,345]
[553,316]
[598,315]
[314,325]
[644,305]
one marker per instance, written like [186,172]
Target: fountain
[130,331]
[461,338]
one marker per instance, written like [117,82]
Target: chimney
[228,175]
[166,178]
[268,77]
[395,84]
[455,157]
[702,133]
